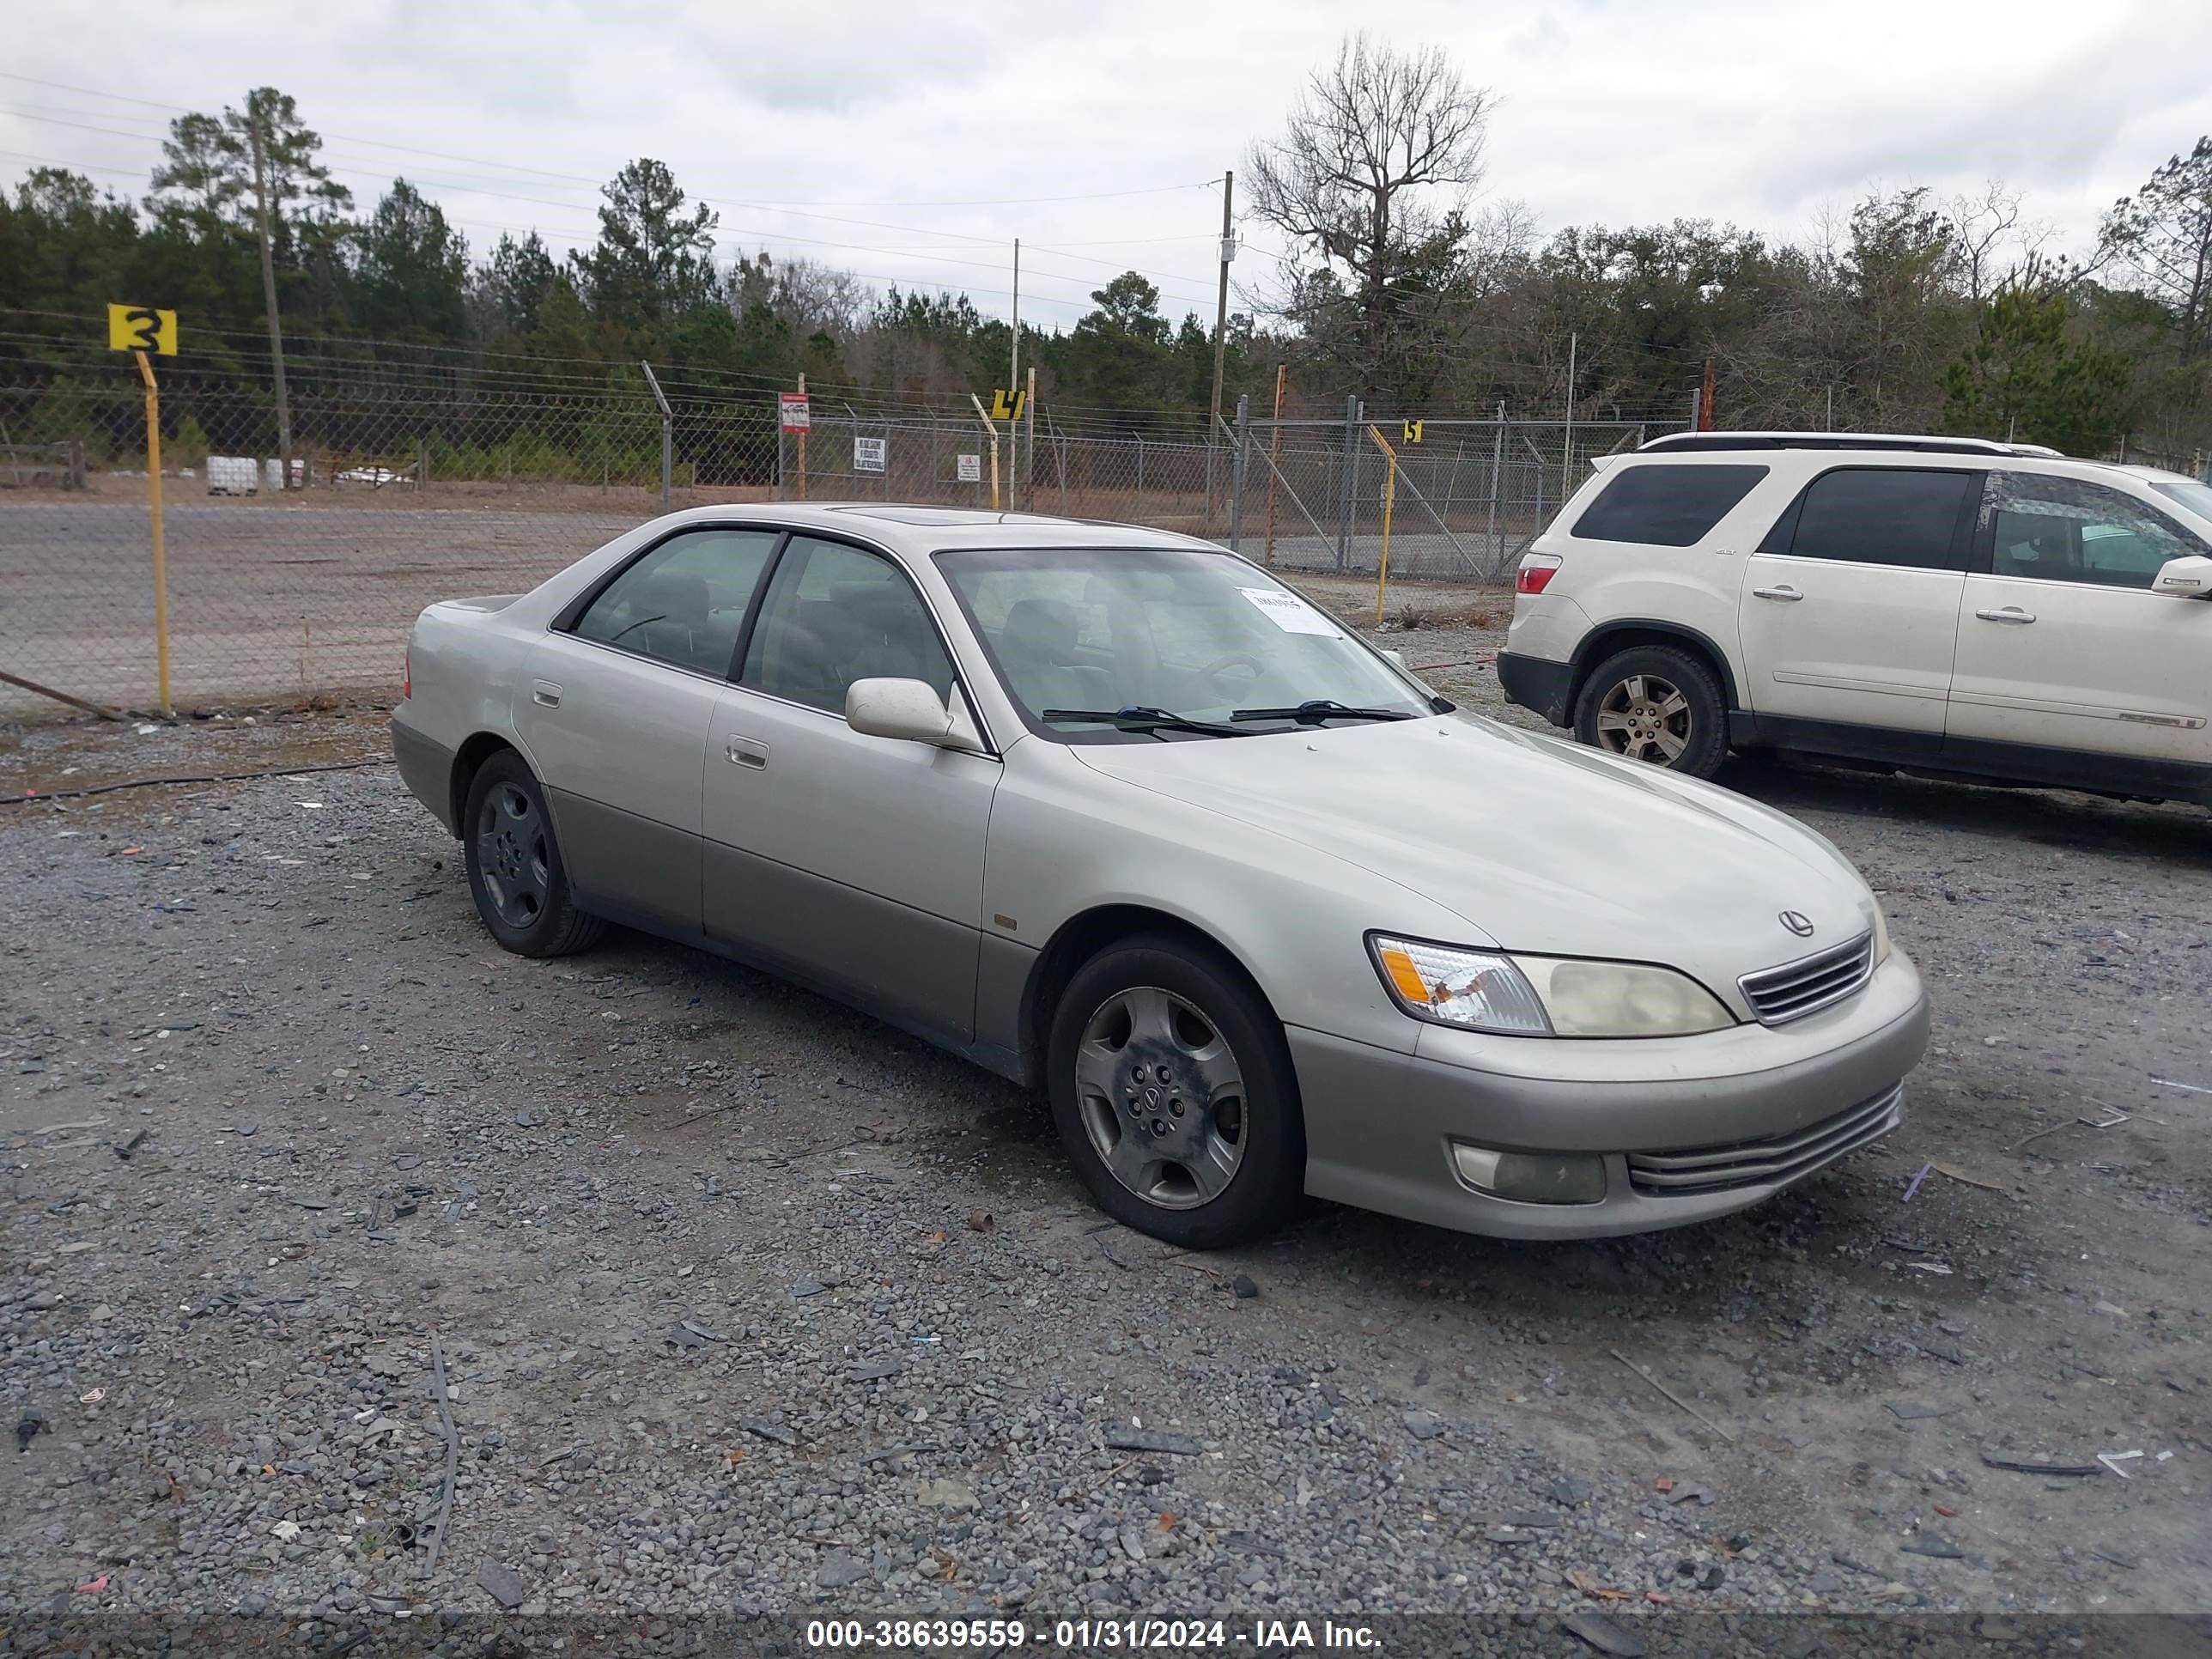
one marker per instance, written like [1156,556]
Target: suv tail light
[1536,571]
[407,674]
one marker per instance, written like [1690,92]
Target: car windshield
[1136,645]
[2196,497]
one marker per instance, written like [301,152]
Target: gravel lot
[746,1304]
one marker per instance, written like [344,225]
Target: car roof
[2153,474]
[920,529]
[1693,443]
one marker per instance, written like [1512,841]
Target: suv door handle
[545,694]
[2007,613]
[1784,592]
[744,752]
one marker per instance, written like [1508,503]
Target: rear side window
[683,602]
[1664,506]
[1908,516]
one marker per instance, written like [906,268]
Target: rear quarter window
[1664,506]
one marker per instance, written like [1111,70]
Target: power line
[509,167]
[338,164]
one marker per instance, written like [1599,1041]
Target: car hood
[1540,845]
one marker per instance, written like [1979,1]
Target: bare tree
[1995,249]
[1369,181]
[2162,235]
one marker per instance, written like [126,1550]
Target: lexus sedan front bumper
[1688,1128]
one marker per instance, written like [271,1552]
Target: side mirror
[910,711]
[2189,577]
[906,709]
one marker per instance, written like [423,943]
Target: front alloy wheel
[1162,1098]
[1172,1091]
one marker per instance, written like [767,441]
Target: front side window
[1665,505]
[683,602]
[2044,528]
[1193,635]
[835,614]
[1905,516]
[2196,497]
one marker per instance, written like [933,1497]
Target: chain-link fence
[1467,496]
[411,483]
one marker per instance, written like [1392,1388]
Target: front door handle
[2007,613]
[1784,592]
[545,694]
[744,752]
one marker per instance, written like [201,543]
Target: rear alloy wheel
[514,867]
[1172,1091]
[1655,703]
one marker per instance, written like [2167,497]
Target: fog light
[1532,1178]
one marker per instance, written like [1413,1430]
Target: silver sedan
[1114,813]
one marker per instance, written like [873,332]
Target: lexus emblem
[1800,924]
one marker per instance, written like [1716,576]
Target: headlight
[1880,932]
[1479,989]
[1538,996]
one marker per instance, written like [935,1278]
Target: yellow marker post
[1389,498]
[139,330]
[154,502]
[991,433]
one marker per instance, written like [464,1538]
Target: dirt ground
[745,1303]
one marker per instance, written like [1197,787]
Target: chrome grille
[1764,1163]
[1778,995]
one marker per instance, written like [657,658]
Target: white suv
[1947,604]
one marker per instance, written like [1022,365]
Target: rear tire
[1172,1091]
[515,874]
[1655,703]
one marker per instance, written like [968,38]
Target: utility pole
[1014,357]
[1221,303]
[257,141]
[1567,443]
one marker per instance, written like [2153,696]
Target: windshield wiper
[1319,709]
[1139,717]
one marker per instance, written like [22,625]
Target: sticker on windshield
[1289,612]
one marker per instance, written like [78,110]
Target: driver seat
[1037,646]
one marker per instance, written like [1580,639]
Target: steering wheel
[1238,659]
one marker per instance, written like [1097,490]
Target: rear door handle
[2007,613]
[744,751]
[545,694]
[1784,592]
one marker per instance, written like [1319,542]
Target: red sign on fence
[797,417]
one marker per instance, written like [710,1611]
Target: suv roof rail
[1696,442]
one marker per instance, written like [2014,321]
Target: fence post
[1237,469]
[1491,548]
[1139,513]
[667,432]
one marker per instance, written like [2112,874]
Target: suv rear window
[1664,506]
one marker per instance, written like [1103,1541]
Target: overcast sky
[912,142]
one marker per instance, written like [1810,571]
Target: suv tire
[1655,703]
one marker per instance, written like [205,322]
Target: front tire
[515,873]
[1172,1091]
[1655,703]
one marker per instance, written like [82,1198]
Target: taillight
[407,674]
[1536,573]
